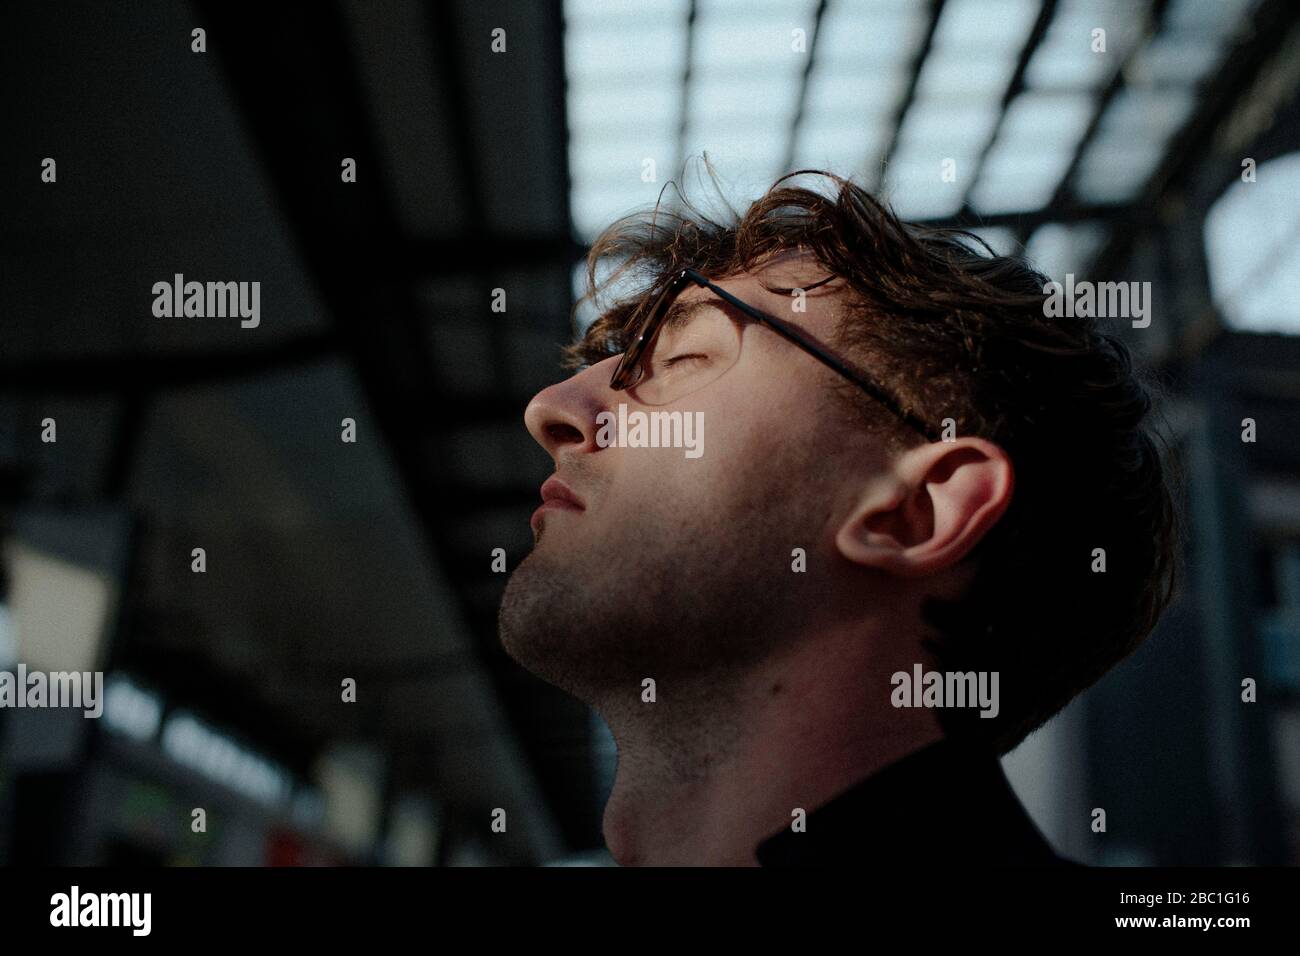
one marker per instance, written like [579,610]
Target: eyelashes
[670,362]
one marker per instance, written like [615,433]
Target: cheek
[753,431]
[773,406]
[683,484]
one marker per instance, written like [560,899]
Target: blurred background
[1169,155]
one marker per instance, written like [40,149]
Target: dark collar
[948,803]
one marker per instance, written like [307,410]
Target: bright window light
[850,91]
[986,25]
[1175,60]
[1057,249]
[952,73]
[759,38]
[1115,168]
[622,54]
[595,207]
[585,12]
[839,146]
[1224,18]
[1066,59]
[607,158]
[1256,284]
[1039,119]
[720,100]
[1001,239]
[943,129]
[595,106]
[1019,179]
[874,36]
[920,185]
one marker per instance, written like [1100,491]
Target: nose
[563,416]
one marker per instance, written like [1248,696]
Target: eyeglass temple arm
[795,336]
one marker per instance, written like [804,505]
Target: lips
[557,496]
[557,491]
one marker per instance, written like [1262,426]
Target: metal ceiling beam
[150,371]
[421,256]
[446,53]
[909,95]
[787,164]
[1063,199]
[686,85]
[453,69]
[1029,221]
[142,374]
[1014,88]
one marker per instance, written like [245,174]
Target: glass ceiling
[959,117]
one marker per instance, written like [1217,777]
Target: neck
[714,767]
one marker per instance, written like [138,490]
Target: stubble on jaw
[681,591]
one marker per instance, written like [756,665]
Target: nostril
[561,433]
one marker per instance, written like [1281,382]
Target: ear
[929,508]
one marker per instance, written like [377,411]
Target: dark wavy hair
[961,333]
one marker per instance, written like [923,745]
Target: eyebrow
[680,311]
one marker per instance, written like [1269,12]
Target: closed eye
[670,362]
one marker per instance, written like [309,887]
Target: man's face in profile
[681,566]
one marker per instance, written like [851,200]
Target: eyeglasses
[680,347]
